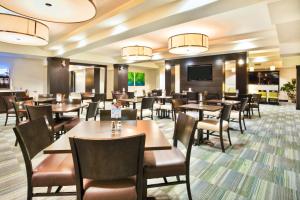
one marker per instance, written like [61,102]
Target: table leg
[134,105]
[199,139]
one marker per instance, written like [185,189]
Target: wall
[27,73]
[152,79]
[80,81]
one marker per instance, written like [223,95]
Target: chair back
[176,103]
[33,137]
[91,110]
[147,103]
[192,96]
[128,114]
[113,159]
[256,98]
[99,97]
[18,106]
[225,113]
[156,92]
[8,102]
[243,105]
[130,95]
[43,111]
[184,132]
[45,95]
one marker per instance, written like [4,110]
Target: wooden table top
[43,99]
[163,97]
[155,139]
[138,100]
[233,102]
[201,107]
[63,108]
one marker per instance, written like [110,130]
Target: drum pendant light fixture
[20,30]
[136,53]
[61,11]
[188,43]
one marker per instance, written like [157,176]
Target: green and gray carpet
[263,163]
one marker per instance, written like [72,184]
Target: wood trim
[298,88]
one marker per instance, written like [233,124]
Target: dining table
[155,139]
[40,100]
[200,107]
[222,101]
[133,101]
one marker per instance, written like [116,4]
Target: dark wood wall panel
[298,88]
[120,77]
[97,79]
[217,62]
[89,79]
[58,76]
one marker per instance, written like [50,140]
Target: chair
[23,98]
[192,97]
[130,95]
[54,170]
[255,103]
[175,107]
[156,92]
[168,163]
[45,95]
[146,108]
[101,99]
[127,114]
[113,168]
[45,111]
[92,111]
[9,108]
[263,95]
[238,116]
[218,125]
[248,106]
[273,96]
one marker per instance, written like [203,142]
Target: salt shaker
[113,125]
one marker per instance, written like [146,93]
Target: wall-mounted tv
[264,78]
[199,72]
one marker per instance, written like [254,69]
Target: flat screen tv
[264,77]
[200,72]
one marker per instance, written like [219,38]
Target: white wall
[27,73]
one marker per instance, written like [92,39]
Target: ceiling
[257,26]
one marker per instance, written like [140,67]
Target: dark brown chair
[45,111]
[192,97]
[9,108]
[113,168]
[100,98]
[167,163]
[238,116]
[128,114]
[146,108]
[23,98]
[256,98]
[218,125]
[175,107]
[54,170]
[248,106]
[92,111]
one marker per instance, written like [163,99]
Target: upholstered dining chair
[146,108]
[9,109]
[169,163]
[112,170]
[218,125]
[255,104]
[238,116]
[126,114]
[192,97]
[56,170]
[100,98]
[45,111]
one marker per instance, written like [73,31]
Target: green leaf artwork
[139,79]
[130,78]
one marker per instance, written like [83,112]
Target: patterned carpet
[263,163]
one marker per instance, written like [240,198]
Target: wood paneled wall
[298,88]
[214,86]
[120,77]
[58,76]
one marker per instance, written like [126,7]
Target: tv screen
[264,78]
[200,73]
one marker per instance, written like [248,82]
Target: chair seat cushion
[164,163]
[54,170]
[166,107]
[110,190]
[235,114]
[213,114]
[146,113]
[212,125]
